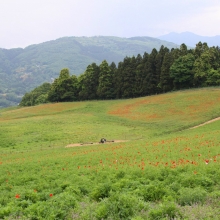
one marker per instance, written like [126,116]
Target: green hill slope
[21,70]
[60,124]
[162,170]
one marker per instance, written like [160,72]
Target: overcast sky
[26,22]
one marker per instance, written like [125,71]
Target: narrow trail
[119,141]
[94,143]
[208,122]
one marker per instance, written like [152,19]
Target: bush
[56,207]
[119,206]
[166,210]
[101,192]
[195,181]
[188,196]
[153,193]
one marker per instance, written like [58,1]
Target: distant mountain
[190,39]
[21,70]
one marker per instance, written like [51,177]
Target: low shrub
[189,196]
[167,210]
[154,193]
[101,191]
[119,206]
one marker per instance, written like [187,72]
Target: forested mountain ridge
[190,39]
[158,72]
[21,70]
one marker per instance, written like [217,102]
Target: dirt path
[215,119]
[95,143]
[119,141]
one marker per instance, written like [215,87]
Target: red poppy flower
[51,194]
[17,196]
[206,161]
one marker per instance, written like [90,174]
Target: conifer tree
[166,82]
[88,83]
[105,88]
[151,81]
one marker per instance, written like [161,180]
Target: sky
[26,22]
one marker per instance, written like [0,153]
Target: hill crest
[190,39]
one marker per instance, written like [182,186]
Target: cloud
[26,22]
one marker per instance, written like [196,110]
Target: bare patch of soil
[210,121]
[95,143]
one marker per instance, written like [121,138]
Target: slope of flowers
[57,181]
[163,176]
[189,105]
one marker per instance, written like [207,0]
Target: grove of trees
[158,72]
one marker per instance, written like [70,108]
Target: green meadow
[159,166]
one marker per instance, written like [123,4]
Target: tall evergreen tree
[159,62]
[105,89]
[166,82]
[200,48]
[88,83]
[64,88]
[151,80]
[140,74]
[113,68]
[128,90]
[183,49]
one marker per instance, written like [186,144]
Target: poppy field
[164,169]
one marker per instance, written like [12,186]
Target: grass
[165,169]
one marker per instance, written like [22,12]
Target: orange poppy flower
[17,196]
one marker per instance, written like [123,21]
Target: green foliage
[182,71]
[88,83]
[101,191]
[38,96]
[64,88]
[160,71]
[154,192]
[167,210]
[164,174]
[118,206]
[213,77]
[22,70]
[105,89]
[189,196]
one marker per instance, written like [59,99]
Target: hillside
[59,124]
[190,39]
[161,170]
[21,70]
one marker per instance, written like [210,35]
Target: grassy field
[164,171]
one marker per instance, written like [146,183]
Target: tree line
[158,72]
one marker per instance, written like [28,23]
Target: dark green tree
[159,62]
[182,71]
[88,83]
[37,96]
[200,48]
[207,63]
[105,88]
[128,73]
[140,74]
[65,88]
[151,79]
[166,82]
[183,50]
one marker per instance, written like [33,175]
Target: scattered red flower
[206,161]
[17,196]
